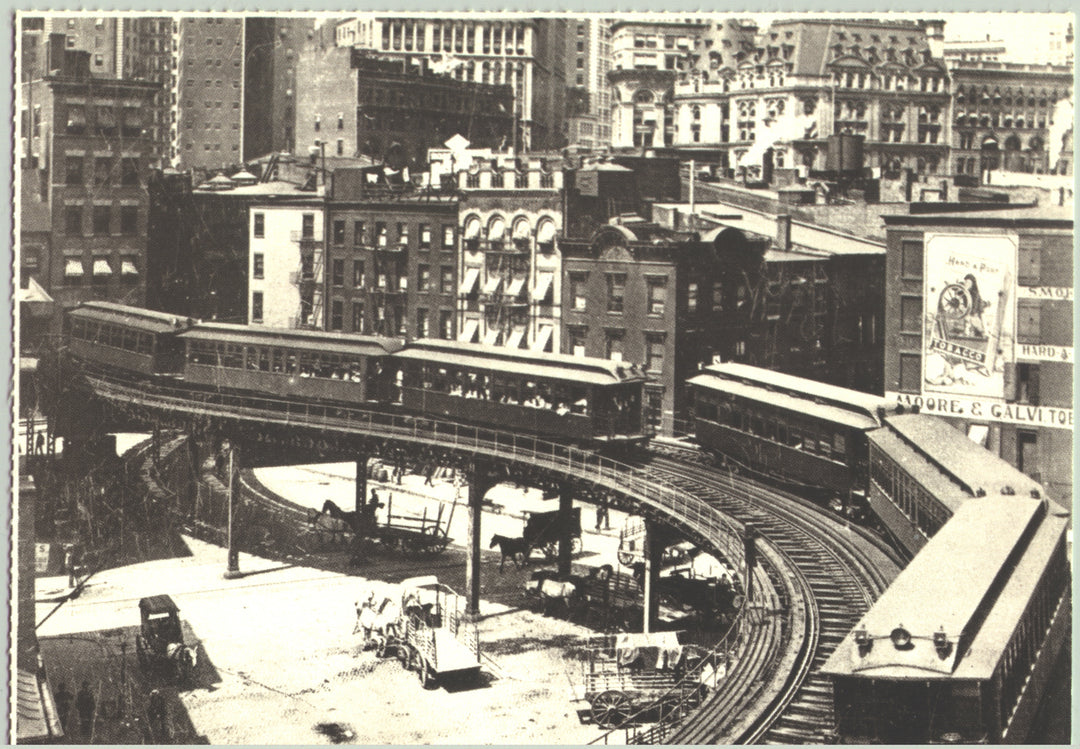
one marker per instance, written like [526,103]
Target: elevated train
[586,401]
[961,647]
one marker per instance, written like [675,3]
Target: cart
[634,678]
[416,535]
[544,529]
[160,641]
[432,636]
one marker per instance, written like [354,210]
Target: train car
[290,363]
[111,336]
[797,431]
[922,470]
[554,395]
[961,647]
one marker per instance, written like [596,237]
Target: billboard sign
[969,304]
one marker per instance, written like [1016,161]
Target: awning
[515,339]
[543,338]
[36,719]
[73,269]
[101,268]
[497,229]
[492,337]
[543,286]
[516,287]
[521,230]
[468,334]
[468,286]
[472,229]
[493,284]
[546,233]
[127,268]
[978,433]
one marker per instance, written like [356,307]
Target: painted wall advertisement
[969,305]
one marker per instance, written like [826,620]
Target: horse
[353,518]
[546,586]
[511,548]
[183,659]
[379,625]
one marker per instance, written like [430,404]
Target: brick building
[588,103]
[84,152]
[979,331]
[391,257]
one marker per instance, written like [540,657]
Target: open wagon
[544,529]
[433,638]
[419,535]
[633,678]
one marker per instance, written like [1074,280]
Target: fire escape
[506,304]
[308,278]
[391,282]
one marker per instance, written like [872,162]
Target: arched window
[644,96]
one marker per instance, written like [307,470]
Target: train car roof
[972,581]
[310,340]
[585,370]
[150,321]
[800,388]
[970,464]
[941,486]
[796,403]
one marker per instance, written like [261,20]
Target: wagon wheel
[404,654]
[955,301]
[626,558]
[427,678]
[611,709]
[436,545]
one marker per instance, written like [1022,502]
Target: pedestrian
[63,700]
[428,473]
[84,703]
[158,715]
[39,444]
[71,564]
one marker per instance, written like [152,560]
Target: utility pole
[232,569]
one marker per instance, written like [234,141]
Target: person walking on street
[63,700]
[39,445]
[84,703]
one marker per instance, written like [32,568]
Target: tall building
[804,80]
[271,71]
[588,96]
[526,53]
[979,331]
[210,61]
[146,49]
[85,153]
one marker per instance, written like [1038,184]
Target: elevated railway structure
[791,629]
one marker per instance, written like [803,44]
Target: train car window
[233,356]
[116,338]
[839,444]
[770,430]
[264,360]
[290,363]
[145,343]
[78,329]
[129,340]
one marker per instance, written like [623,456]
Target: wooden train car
[290,363]
[960,648]
[922,470]
[131,339]
[565,397]
[797,431]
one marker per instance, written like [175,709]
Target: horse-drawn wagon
[160,641]
[420,535]
[544,529]
[634,678]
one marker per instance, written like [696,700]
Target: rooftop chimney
[783,232]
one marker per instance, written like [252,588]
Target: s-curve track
[845,568]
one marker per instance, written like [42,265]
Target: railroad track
[843,579]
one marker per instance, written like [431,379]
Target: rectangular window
[129,171]
[73,170]
[578,291]
[339,232]
[717,296]
[257,265]
[403,233]
[910,373]
[340,147]
[380,234]
[102,171]
[338,272]
[575,340]
[358,274]
[1028,323]
[73,220]
[337,314]
[911,314]
[446,324]
[102,214]
[307,226]
[616,288]
[421,323]
[423,278]
[425,236]
[1027,454]
[307,266]
[446,279]
[911,259]
[259,221]
[358,237]
[129,219]
[448,237]
[691,297]
[657,295]
[1027,384]
[358,317]
[613,344]
[1030,266]
[654,352]
[256,306]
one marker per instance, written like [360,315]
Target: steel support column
[654,550]
[478,487]
[566,539]
[361,483]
